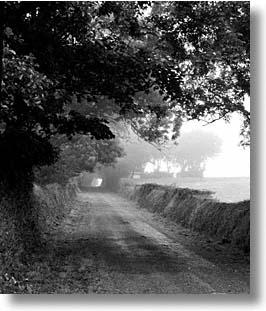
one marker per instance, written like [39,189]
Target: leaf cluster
[80,154]
[149,63]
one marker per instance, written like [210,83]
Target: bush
[52,204]
[227,222]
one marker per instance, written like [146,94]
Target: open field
[229,189]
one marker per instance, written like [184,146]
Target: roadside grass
[24,272]
[195,209]
[229,189]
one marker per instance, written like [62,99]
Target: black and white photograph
[125,147]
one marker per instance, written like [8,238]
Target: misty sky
[233,160]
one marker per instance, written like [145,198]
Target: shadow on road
[147,258]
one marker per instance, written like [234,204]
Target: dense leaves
[25,151]
[207,45]
[80,154]
[195,54]
[77,68]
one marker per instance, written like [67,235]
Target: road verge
[195,209]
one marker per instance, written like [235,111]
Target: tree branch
[214,120]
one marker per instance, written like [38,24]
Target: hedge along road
[129,250]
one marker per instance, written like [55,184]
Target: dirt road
[128,250]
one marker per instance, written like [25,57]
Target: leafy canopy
[71,67]
[79,154]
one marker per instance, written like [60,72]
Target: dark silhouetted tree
[137,154]
[71,67]
[77,155]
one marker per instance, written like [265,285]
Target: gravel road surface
[112,246]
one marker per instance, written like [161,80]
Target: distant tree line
[189,155]
[77,68]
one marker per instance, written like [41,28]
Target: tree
[193,40]
[73,67]
[80,154]
[137,153]
[193,150]
[37,87]
[207,47]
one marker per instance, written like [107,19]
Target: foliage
[52,203]
[82,153]
[207,49]
[137,153]
[112,69]
[72,68]
[195,53]
[190,155]
[158,120]
[195,209]
[193,150]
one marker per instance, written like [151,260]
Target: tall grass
[195,209]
